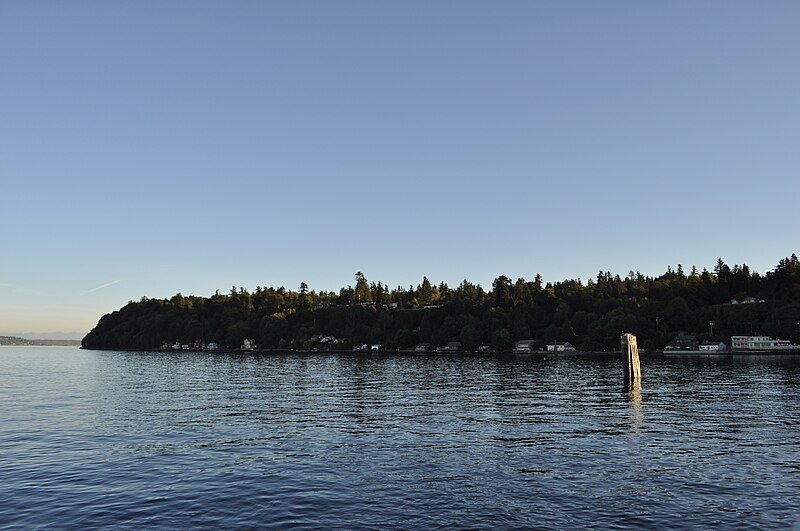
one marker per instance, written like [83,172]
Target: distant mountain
[44,335]
[21,342]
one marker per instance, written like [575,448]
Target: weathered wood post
[633,371]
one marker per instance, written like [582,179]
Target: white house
[526,345]
[560,347]
[710,346]
[761,343]
[249,344]
[450,347]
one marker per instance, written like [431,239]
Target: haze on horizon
[150,149]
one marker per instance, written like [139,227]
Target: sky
[151,148]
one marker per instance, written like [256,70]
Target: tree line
[589,315]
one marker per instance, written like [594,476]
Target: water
[187,440]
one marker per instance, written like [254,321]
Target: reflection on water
[179,440]
[635,395]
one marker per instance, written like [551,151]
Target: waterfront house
[761,343]
[683,342]
[710,346]
[422,347]
[249,344]
[525,345]
[748,300]
[560,347]
[212,346]
[450,347]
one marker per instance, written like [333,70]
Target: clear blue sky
[149,148]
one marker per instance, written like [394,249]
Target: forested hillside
[589,315]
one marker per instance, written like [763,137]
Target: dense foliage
[590,315]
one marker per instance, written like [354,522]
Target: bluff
[589,315]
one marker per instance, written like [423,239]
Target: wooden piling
[633,371]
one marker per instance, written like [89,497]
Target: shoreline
[393,352]
[785,352]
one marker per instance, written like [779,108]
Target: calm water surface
[139,440]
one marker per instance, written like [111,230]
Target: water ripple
[133,440]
